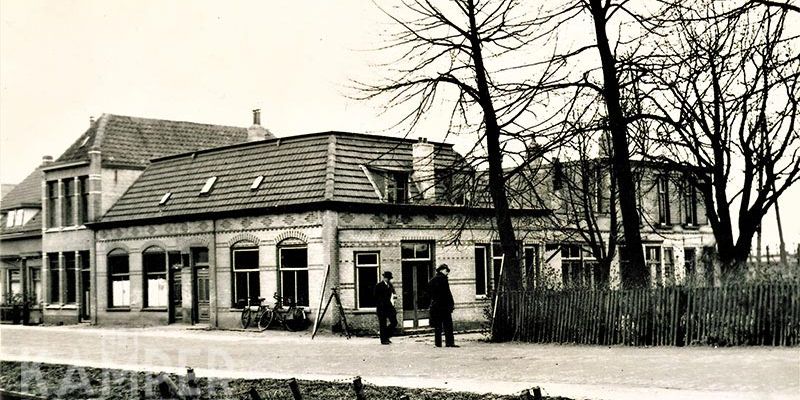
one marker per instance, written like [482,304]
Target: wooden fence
[754,314]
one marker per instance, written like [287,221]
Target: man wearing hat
[442,306]
[387,315]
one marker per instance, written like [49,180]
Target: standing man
[442,306]
[387,315]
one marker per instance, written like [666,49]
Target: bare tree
[728,100]
[461,51]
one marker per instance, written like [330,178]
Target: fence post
[193,392]
[295,388]
[358,387]
[537,393]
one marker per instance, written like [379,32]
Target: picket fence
[753,314]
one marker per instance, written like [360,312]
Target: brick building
[21,244]
[199,232]
[677,239]
[83,183]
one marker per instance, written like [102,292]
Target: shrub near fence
[754,314]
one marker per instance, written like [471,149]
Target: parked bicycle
[252,310]
[292,318]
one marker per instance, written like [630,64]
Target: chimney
[424,172]
[47,160]
[257,132]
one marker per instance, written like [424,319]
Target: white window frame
[11,217]
[357,265]
[281,269]
[244,271]
[111,303]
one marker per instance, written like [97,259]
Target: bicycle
[252,309]
[292,318]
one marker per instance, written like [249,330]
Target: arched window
[293,266]
[246,282]
[119,279]
[154,266]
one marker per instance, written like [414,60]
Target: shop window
[293,266]
[156,289]
[119,279]
[367,276]
[246,283]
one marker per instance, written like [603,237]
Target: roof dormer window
[165,198]
[10,218]
[257,182]
[208,186]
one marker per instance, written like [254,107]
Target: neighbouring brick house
[678,242]
[21,243]
[200,231]
[85,181]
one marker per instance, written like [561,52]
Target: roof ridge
[100,133]
[330,170]
[172,120]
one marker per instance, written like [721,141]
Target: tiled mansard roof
[296,170]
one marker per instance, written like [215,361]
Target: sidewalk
[591,372]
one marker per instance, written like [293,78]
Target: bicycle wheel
[246,318]
[265,319]
[297,322]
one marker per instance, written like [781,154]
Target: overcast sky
[64,61]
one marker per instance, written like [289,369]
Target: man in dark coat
[387,315]
[442,306]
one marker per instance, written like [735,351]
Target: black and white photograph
[400,199]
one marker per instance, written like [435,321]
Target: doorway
[201,304]
[85,285]
[175,295]
[417,270]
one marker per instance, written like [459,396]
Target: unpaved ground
[592,372]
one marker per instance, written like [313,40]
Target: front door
[417,270]
[202,297]
[175,294]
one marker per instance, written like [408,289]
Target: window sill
[691,227]
[65,228]
[481,297]
[154,309]
[364,311]
[118,309]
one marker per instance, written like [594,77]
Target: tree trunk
[505,228]
[635,275]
